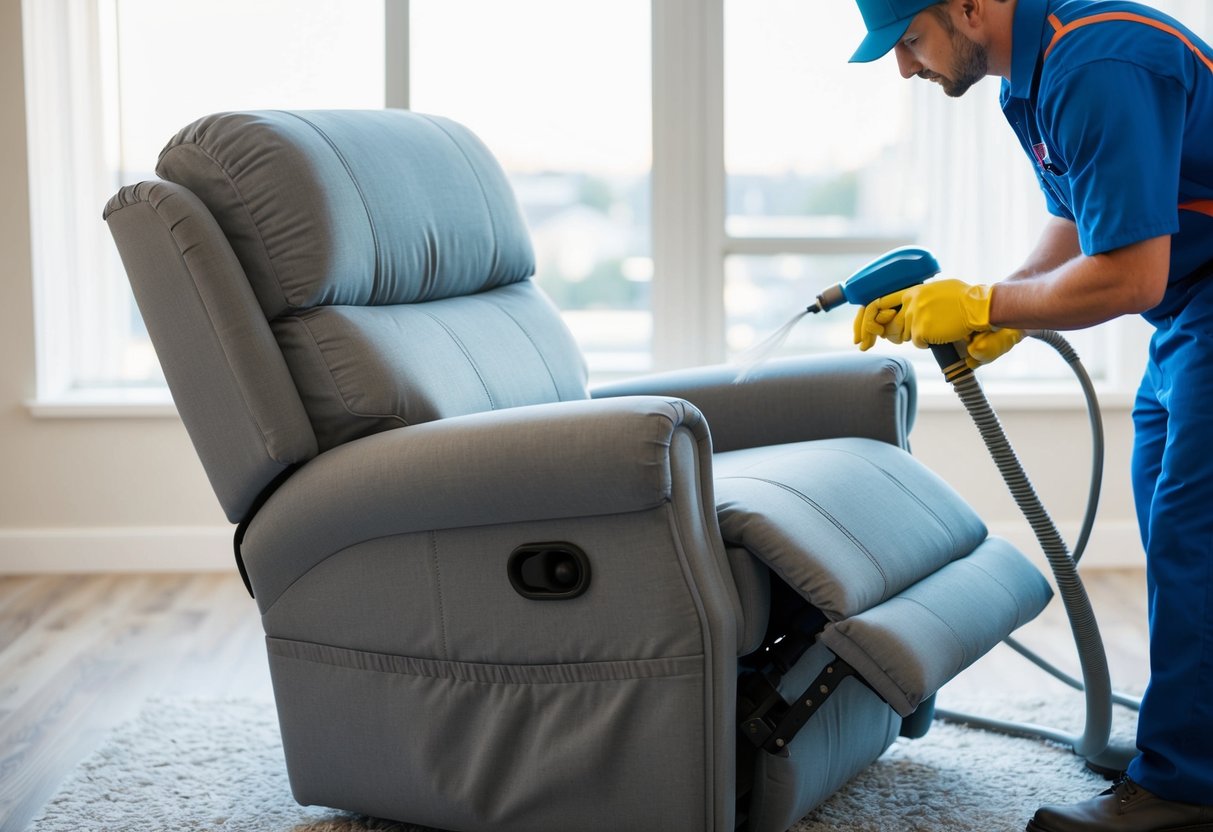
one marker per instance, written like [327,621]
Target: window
[693,171]
[830,164]
[101,100]
[564,104]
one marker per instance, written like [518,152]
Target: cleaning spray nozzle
[894,270]
[834,296]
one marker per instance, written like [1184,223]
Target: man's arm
[1058,244]
[1082,290]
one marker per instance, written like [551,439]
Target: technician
[1113,104]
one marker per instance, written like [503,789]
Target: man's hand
[984,347]
[941,312]
[870,326]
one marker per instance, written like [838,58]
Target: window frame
[690,242]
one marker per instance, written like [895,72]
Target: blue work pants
[1173,491]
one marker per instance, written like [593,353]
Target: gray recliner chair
[493,600]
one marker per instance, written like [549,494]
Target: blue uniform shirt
[1113,103]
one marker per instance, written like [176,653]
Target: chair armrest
[543,462]
[792,399]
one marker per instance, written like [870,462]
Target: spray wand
[909,266]
[898,269]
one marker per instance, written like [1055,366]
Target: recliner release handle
[549,571]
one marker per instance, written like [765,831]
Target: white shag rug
[218,766]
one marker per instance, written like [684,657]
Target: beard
[971,63]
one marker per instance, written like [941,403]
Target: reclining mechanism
[493,598]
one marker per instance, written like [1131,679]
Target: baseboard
[116,549]
[1113,545]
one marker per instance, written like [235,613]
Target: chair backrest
[357,271]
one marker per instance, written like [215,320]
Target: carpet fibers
[218,766]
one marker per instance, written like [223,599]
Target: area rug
[218,766]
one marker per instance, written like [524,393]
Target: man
[1113,104]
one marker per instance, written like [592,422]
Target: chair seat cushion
[848,523]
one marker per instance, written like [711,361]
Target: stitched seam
[376,279]
[534,344]
[466,354]
[705,633]
[248,211]
[1005,588]
[488,209]
[438,581]
[341,396]
[964,653]
[214,331]
[854,540]
[663,667]
[899,484]
[388,535]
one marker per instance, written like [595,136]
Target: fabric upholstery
[348,208]
[792,399]
[348,295]
[909,646]
[222,364]
[432,676]
[807,511]
[389,255]
[361,369]
[509,465]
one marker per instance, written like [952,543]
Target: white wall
[80,493]
[125,493]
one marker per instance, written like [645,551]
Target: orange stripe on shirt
[1063,30]
[1201,206]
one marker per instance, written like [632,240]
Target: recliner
[493,599]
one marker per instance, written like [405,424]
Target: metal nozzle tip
[814,307]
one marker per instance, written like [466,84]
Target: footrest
[847,523]
[901,567]
[911,645]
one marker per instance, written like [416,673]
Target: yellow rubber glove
[984,347]
[870,326]
[941,312]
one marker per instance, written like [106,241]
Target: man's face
[933,48]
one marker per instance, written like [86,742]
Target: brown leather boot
[1126,807]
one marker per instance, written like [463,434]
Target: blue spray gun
[898,269]
[893,271]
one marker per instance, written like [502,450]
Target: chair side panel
[222,364]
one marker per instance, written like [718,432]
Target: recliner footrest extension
[903,569]
[907,648]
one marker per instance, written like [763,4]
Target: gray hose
[1067,352]
[1092,660]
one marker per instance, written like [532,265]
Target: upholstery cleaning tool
[908,266]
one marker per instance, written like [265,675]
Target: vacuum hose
[1092,659]
[1093,743]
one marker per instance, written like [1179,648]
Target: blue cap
[887,21]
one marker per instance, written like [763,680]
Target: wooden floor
[81,654]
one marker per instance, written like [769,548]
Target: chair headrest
[354,208]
